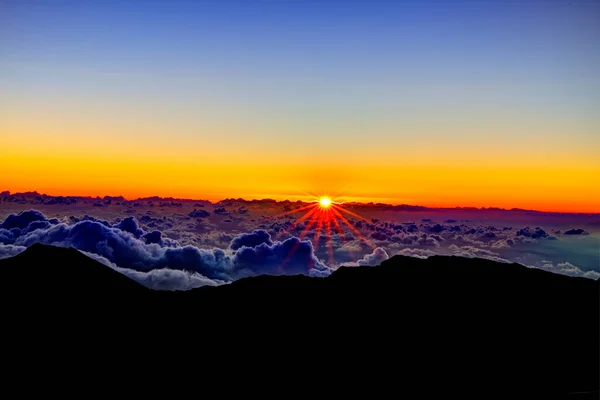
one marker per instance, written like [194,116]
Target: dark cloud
[220,210]
[378,235]
[130,225]
[157,238]
[437,228]
[576,232]
[8,236]
[253,239]
[291,256]
[199,214]
[536,233]
[22,219]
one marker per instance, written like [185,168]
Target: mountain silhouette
[444,324]
[47,269]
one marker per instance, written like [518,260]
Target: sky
[437,103]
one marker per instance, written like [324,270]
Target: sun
[325,202]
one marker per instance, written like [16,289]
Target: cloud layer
[179,249]
[158,262]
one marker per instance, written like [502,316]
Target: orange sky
[56,172]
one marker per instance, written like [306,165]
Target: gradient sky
[440,103]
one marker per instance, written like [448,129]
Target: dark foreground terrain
[442,325]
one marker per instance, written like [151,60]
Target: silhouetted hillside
[50,269]
[442,324]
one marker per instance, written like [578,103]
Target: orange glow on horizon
[557,189]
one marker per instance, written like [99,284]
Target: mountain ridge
[506,327]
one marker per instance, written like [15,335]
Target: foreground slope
[43,269]
[447,324]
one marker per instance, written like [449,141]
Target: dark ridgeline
[449,325]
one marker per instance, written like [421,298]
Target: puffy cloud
[153,237]
[130,225]
[157,237]
[8,236]
[34,226]
[419,253]
[22,219]
[291,256]
[375,258]
[567,268]
[9,250]
[251,239]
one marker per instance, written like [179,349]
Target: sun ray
[299,220]
[329,239]
[353,229]
[294,211]
[309,225]
[324,214]
[319,228]
[338,228]
[337,207]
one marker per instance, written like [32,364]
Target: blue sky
[499,82]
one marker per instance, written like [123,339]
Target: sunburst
[325,215]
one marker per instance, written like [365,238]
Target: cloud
[474,252]
[22,219]
[9,250]
[251,239]
[199,214]
[130,225]
[291,256]
[161,279]
[418,253]
[378,256]
[567,268]
[184,251]
[129,247]
[537,233]
[576,232]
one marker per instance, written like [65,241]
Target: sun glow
[325,202]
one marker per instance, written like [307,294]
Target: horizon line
[374,203]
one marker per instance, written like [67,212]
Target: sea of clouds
[142,251]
